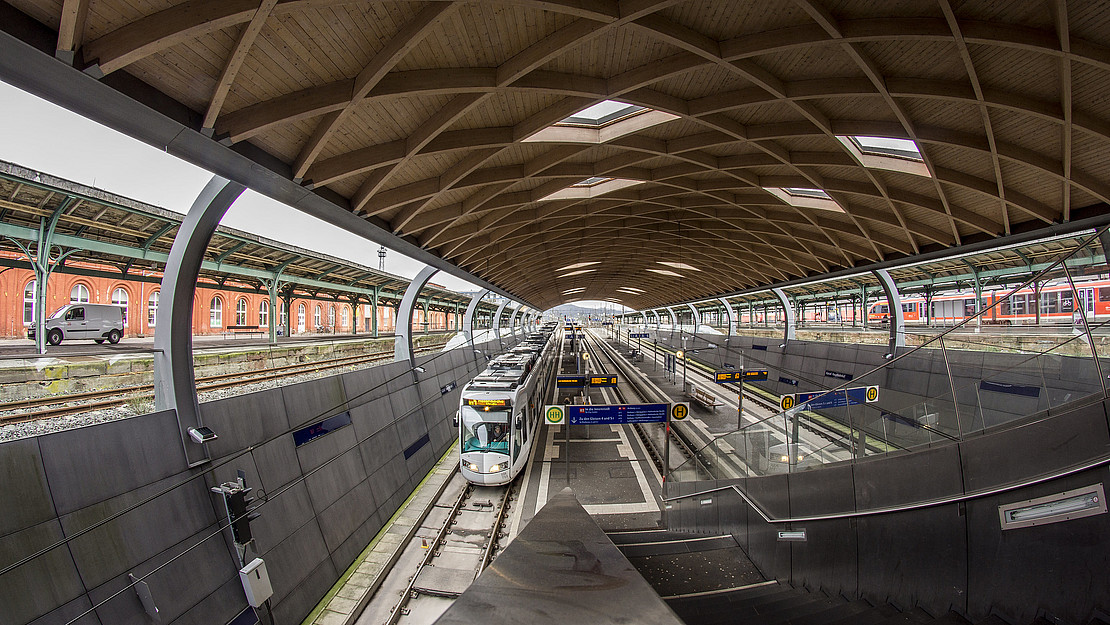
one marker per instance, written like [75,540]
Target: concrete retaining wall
[322,502]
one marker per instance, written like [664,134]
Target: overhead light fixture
[577,273]
[419,369]
[202,434]
[666,272]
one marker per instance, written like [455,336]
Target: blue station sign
[638,335]
[617,413]
[819,400]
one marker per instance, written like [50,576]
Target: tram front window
[485,431]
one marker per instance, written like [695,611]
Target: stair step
[952,618]
[841,611]
[669,547]
[652,536]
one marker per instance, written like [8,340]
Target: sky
[97,156]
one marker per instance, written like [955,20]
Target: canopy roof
[752,158]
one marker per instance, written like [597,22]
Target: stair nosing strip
[720,591]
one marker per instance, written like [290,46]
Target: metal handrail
[928,503]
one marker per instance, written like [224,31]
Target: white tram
[500,411]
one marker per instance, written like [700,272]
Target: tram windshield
[485,430]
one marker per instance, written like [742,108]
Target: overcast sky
[91,154]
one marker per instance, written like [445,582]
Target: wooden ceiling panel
[418,113]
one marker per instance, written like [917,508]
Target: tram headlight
[495,468]
[472,466]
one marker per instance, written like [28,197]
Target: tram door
[1087,300]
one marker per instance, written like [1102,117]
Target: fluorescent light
[792,534]
[677,265]
[1065,506]
[665,272]
[580,265]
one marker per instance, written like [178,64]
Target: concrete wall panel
[277,463]
[282,515]
[364,385]
[323,449]
[293,561]
[826,560]
[386,481]
[76,612]
[42,584]
[244,420]
[380,448]
[24,492]
[295,605]
[222,605]
[371,416]
[311,401]
[88,465]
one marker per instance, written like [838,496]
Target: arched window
[331,317]
[152,308]
[282,318]
[241,312]
[316,316]
[216,313]
[264,313]
[300,318]
[346,318]
[119,298]
[79,294]
[29,303]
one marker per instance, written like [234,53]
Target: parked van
[98,322]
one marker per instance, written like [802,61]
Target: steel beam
[468,318]
[402,343]
[788,332]
[894,304]
[174,383]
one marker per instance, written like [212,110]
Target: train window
[484,430]
[1067,302]
[969,307]
[1104,294]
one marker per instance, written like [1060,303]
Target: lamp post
[681,354]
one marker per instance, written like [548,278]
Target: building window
[152,309]
[331,316]
[241,312]
[216,313]
[283,317]
[29,303]
[119,298]
[316,317]
[79,294]
[346,318]
[300,318]
[264,313]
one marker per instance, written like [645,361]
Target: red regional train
[1057,305]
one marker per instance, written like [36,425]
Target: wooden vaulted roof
[434,120]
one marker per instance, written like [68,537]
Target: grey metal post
[512,321]
[468,318]
[497,323]
[894,301]
[402,343]
[788,333]
[174,382]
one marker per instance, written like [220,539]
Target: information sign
[755,375]
[570,381]
[603,380]
[819,400]
[638,335]
[617,413]
[679,410]
[554,413]
[726,376]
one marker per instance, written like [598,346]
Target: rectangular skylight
[677,265]
[589,182]
[804,192]
[665,272]
[579,265]
[575,290]
[629,289]
[887,146]
[576,273]
[603,113]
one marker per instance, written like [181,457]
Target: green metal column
[275,309]
[43,266]
[374,314]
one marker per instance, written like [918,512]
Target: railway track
[465,541]
[63,405]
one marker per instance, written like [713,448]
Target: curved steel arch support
[674,317]
[733,322]
[658,319]
[894,303]
[497,322]
[174,382]
[788,332]
[468,317]
[402,344]
[695,317]
[512,321]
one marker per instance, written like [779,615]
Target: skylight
[580,265]
[804,192]
[576,273]
[629,289]
[678,265]
[887,146]
[603,113]
[665,272]
[589,182]
[575,290]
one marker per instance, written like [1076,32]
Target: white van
[98,322]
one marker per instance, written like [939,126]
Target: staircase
[708,580]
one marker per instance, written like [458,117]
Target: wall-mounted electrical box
[256,582]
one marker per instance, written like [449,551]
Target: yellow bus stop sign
[554,414]
[679,410]
[786,402]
